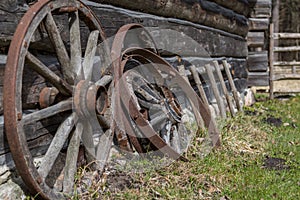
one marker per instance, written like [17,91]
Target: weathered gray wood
[256,39]
[181,10]
[216,92]
[287,49]
[258,61]
[286,63]
[49,75]
[235,5]
[277,36]
[75,42]
[56,145]
[232,86]
[258,79]
[9,5]
[199,85]
[90,54]
[48,112]
[60,48]
[258,24]
[278,77]
[181,70]
[225,91]
[71,160]
[232,45]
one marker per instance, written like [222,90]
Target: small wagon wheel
[158,104]
[55,95]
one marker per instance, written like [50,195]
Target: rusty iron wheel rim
[15,120]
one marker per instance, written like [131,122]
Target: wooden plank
[223,86]
[256,39]
[216,92]
[285,76]
[277,36]
[258,79]
[220,19]
[199,85]
[232,86]
[286,63]
[286,69]
[258,24]
[258,61]
[261,13]
[287,49]
[287,86]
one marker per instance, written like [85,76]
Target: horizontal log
[278,77]
[260,3]
[215,43]
[9,5]
[222,19]
[287,49]
[257,24]
[258,79]
[256,39]
[285,63]
[258,61]
[241,7]
[261,13]
[286,36]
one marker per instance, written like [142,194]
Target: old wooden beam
[193,13]
[256,39]
[286,36]
[258,24]
[241,7]
[258,61]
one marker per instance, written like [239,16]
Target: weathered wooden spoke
[75,42]
[59,46]
[47,112]
[90,54]
[49,75]
[50,95]
[57,144]
[71,160]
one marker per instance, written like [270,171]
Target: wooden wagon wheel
[158,104]
[55,95]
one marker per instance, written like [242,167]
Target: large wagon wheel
[55,95]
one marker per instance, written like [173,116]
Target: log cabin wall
[258,36]
[219,26]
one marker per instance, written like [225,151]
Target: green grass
[236,169]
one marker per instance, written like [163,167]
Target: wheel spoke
[87,138]
[75,43]
[48,112]
[90,54]
[103,148]
[60,48]
[56,145]
[49,75]
[71,160]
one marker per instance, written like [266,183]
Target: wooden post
[232,85]
[215,90]
[271,61]
[199,85]
[225,91]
